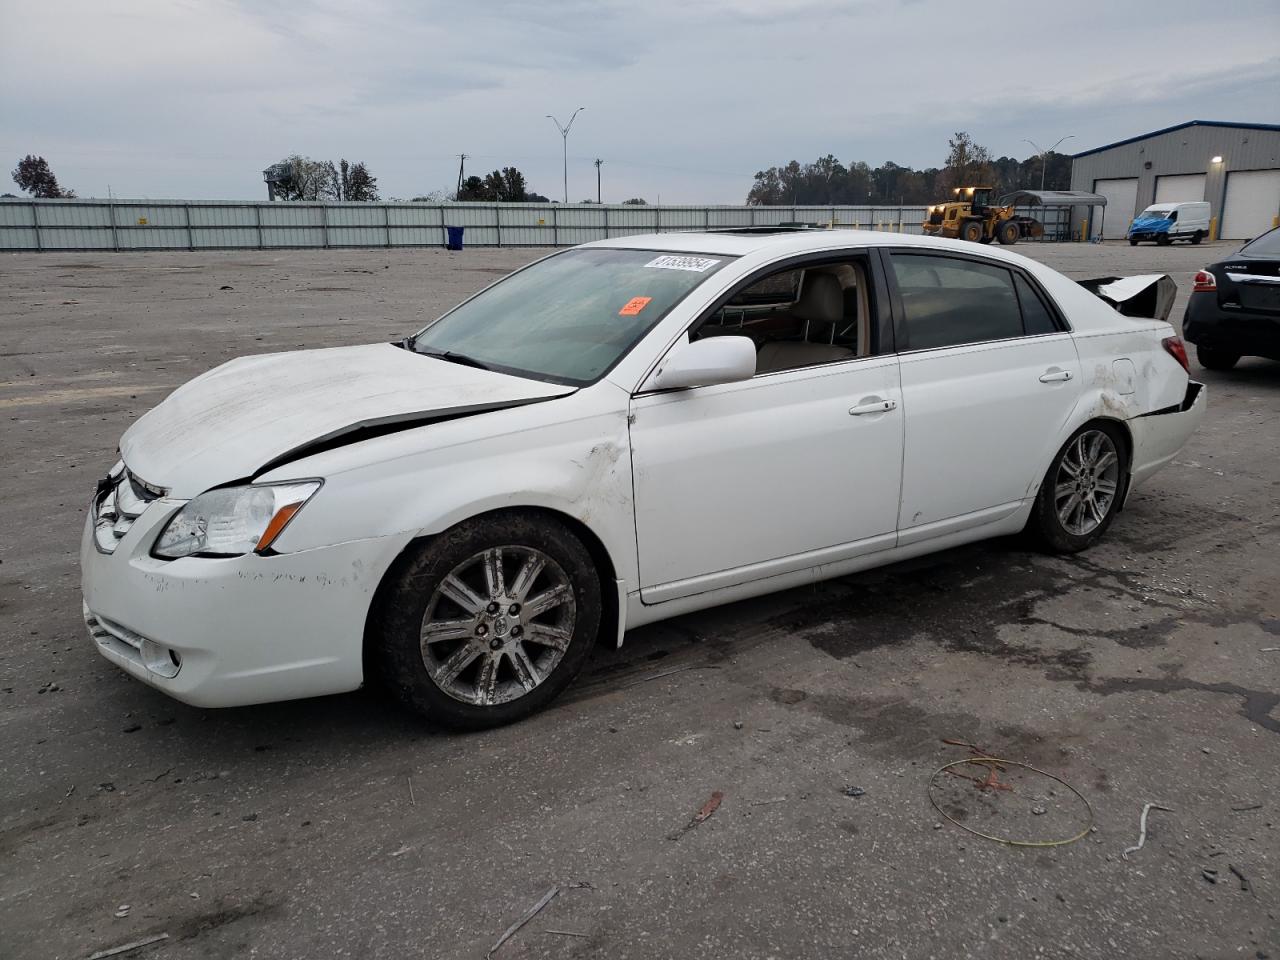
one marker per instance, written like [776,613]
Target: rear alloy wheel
[1008,233]
[490,621]
[971,230]
[1081,491]
[1212,358]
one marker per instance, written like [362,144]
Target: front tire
[489,621]
[1212,358]
[971,230]
[1008,233]
[1163,239]
[1133,243]
[1082,490]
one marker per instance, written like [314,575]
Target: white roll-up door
[1180,189]
[1122,198]
[1253,201]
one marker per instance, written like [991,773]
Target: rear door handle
[873,406]
[1055,376]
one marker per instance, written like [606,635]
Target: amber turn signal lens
[278,523]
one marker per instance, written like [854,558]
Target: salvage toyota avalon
[618,433]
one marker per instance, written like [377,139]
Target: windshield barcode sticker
[692,264]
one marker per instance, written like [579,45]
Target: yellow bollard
[1213,228]
[1275,221]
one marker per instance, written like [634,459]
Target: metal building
[1234,166]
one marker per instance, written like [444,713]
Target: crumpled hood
[230,422]
[1150,225]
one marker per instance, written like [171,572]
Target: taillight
[1178,350]
[1205,282]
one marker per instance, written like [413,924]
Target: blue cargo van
[1167,222]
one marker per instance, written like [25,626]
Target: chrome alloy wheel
[1087,481]
[498,625]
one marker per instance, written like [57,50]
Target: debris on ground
[996,765]
[122,911]
[528,915]
[707,809]
[1244,881]
[765,803]
[854,792]
[1142,828]
[567,933]
[125,948]
[1252,806]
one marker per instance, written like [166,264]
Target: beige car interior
[800,317]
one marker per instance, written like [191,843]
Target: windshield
[1267,245]
[571,317]
[1154,212]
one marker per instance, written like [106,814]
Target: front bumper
[224,632]
[1237,330]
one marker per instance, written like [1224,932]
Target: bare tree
[310,179]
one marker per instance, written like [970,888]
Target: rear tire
[971,230]
[1008,233]
[1197,237]
[489,621]
[1082,490]
[1163,239]
[1212,358]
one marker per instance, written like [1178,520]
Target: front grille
[133,646]
[117,506]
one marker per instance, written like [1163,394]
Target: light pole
[564,135]
[1044,154]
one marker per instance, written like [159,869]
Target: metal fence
[201,225]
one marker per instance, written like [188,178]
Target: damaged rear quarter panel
[568,455]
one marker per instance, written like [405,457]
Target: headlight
[234,520]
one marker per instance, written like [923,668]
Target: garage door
[1122,198]
[1180,189]
[1253,200]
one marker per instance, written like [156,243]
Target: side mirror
[703,363]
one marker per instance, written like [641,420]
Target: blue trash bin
[455,238]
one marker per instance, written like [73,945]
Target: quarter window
[1036,317]
[949,301]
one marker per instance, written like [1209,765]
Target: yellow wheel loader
[972,216]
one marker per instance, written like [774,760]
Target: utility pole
[564,135]
[462,159]
[598,162]
[1044,154]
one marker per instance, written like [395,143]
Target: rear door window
[949,301]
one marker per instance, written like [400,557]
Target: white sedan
[617,433]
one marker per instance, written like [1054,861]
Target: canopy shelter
[1058,199]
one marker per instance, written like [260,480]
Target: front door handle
[1055,376]
[873,406]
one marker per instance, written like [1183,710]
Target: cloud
[685,98]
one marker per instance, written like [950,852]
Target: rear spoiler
[1149,296]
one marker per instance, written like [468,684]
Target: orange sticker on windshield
[634,306]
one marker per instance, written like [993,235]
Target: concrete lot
[1136,672]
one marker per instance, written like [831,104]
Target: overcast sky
[685,99]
